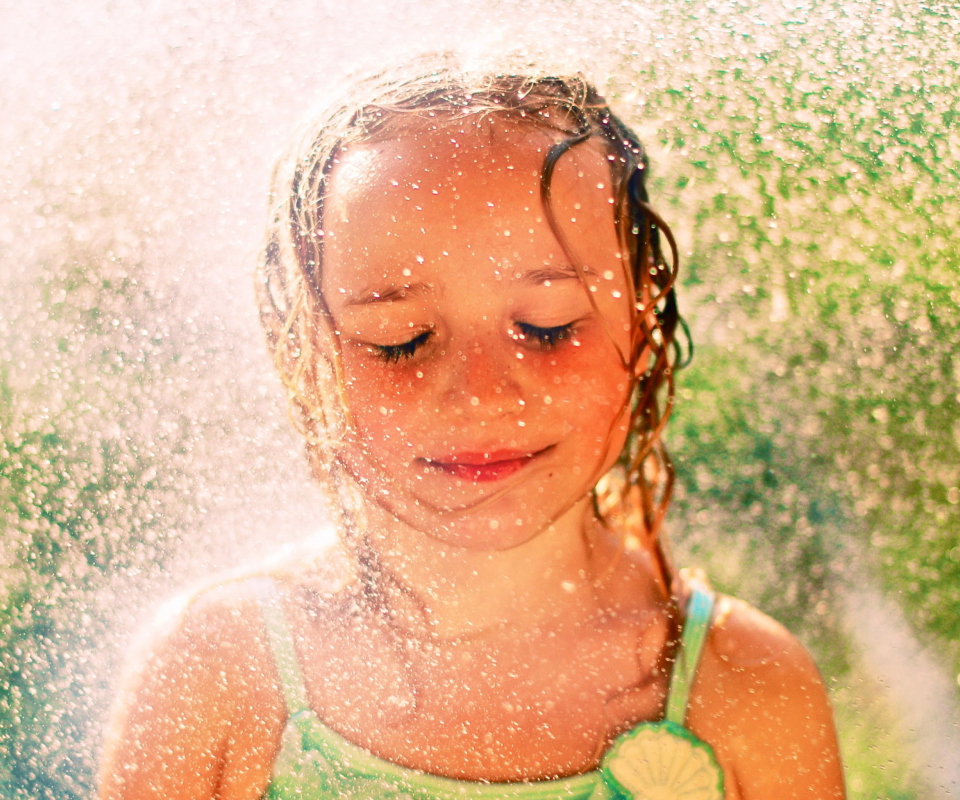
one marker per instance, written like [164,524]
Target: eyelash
[392,353]
[544,337]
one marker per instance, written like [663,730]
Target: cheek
[588,388]
[383,399]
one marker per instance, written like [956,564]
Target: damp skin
[473,359]
[507,633]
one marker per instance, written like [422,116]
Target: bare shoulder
[200,710]
[761,700]
[198,634]
[221,623]
[743,638]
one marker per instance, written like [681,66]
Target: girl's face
[486,394]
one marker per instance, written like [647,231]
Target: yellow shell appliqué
[663,761]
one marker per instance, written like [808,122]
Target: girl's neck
[431,589]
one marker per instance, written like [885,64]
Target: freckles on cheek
[367,379]
[586,381]
[381,400]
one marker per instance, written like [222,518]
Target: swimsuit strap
[695,628]
[284,650]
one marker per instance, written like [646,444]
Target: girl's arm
[765,700]
[195,718]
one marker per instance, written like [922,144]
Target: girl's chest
[546,703]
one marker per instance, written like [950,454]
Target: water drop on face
[419,374]
[406,272]
[494,524]
[608,275]
[547,400]
[474,401]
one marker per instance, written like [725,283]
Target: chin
[504,525]
[477,516]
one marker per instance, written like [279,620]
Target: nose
[483,381]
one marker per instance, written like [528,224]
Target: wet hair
[636,492]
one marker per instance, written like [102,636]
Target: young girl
[465,292]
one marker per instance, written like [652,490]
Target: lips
[486,466]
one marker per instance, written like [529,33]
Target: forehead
[451,208]
[492,154]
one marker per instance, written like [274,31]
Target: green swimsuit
[315,762]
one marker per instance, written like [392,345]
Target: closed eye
[394,352]
[545,337]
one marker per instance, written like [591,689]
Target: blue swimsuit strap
[695,629]
[284,650]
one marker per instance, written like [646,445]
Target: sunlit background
[806,154]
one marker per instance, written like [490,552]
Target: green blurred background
[806,156]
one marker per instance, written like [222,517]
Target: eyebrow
[388,294]
[560,272]
[391,293]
